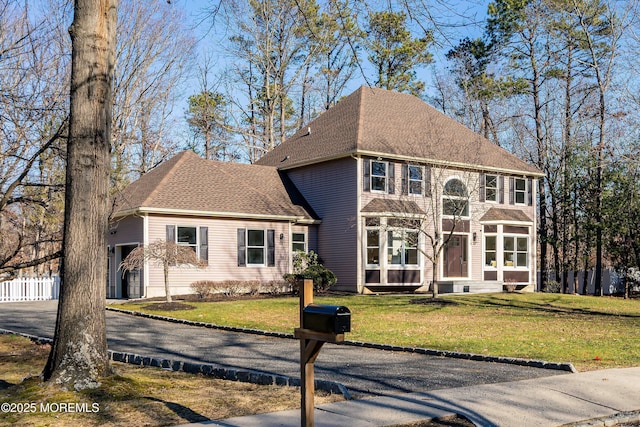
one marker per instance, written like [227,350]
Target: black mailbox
[327,318]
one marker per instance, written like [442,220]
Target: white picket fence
[30,289]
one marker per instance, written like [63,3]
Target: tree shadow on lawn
[544,307]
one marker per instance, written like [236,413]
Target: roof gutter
[215,214]
[434,162]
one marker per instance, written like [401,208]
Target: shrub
[553,287]
[203,288]
[274,287]
[510,286]
[322,277]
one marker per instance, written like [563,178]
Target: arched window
[455,199]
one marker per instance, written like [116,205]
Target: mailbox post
[318,324]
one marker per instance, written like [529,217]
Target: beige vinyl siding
[223,259]
[330,188]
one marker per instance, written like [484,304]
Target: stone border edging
[567,367]
[211,370]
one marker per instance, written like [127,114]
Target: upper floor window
[520,190]
[415,179]
[455,199]
[491,188]
[379,175]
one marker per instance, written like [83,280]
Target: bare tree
[33,126]
[163,253]
[78,358]
[153,54]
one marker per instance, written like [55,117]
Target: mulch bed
[169,306]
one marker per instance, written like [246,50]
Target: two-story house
[390,193]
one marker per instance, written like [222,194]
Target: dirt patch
[438,302]
[168,306]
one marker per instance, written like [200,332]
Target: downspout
[145,242]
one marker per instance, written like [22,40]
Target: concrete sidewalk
[551,401]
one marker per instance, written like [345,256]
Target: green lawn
[589,332]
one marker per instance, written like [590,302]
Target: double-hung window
[415,176]
[256,247]
[196,238]
[298,242]
[491,188]
[187,236]
[520,190]
[515,251]
[379,175]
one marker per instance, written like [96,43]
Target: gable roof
[187,184]
[378,122]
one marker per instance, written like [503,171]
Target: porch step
[471,287]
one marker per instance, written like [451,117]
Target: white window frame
[373,247]
[466,198]
[515,251]
[194,245]
[250,247]
[403,246]
[411,180]
[522,192]
[493,188]
[488,266]
[298,242]
[384,178]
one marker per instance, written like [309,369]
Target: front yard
[590,332]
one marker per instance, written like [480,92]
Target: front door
[455,257]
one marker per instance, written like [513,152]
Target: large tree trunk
[79,356]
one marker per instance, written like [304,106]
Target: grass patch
[590,332]
[134,396]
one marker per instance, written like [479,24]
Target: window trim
[384,177]
[516,191]
[294,242]
[515,251]
[487,188]
[377,247]
[268,247]
[403,247]
[446,196]
[202,239]
[485,250]
[410,180]
[194,245]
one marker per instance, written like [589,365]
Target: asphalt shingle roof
[374,121]
[499,214]
[189,183]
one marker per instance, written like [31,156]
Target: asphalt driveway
[363,371]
